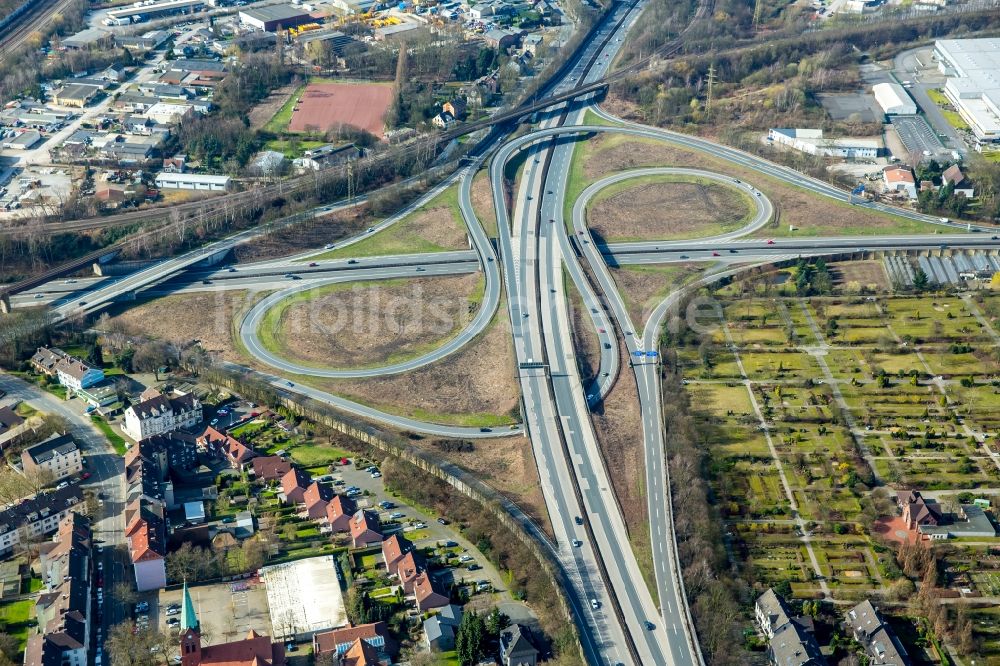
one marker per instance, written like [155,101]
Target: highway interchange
[619,620]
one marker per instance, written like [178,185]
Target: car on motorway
[328,246]
[649,625]
[371,229]
[39,295]
[715,254]
[577,543]
[595,604]
[313,264]
[231,269]
[352,261]
[420,269]
[684,256]
[770,241]
[290,383]
[82,303]
[70,281]
[206,282]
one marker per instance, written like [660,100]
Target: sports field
[326,105]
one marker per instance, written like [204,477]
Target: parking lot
[226,611]
[916,135]
[431,534]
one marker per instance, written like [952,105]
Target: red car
[85,476]
[770,242]
[715,254]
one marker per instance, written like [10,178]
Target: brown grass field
[662,209]
[327,105]
[363,324]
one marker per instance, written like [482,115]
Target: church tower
[190,632]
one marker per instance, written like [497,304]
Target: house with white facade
[157,414]
[36,516]
[59,456]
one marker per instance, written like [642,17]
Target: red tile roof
[254,650]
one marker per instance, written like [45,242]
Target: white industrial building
[144,10]
[973,70]
[893,99]
[812,142]
[192,181]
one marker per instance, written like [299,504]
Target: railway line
[38,15]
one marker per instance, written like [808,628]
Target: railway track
[35,19]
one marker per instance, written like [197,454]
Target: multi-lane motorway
[540,254]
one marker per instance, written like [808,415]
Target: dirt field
[475,386]
[171,318]
[359,325]
[666,208]
[645,287]
[327,105]
[261,113]
[438,227]
[861,274]
[812,215]
[306,236]
[482,202]
[506,464]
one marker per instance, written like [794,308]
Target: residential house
[427,593]
[456,107]
[790,640]
[71,372]
[365,529]
[339,641]
[230,449]
[792,645]
[11,425]
[771,612]
[440,628]
[393,550]
[443,120]
[316,498]
[173,453]
[875,636]
[254,650]
[294,485]
[37,516]
[139,125]
[339,512]
[953,176]
[270,468]
[900,179]
[408,569]
[63,607]
[175,164]
[516,647]
[146,537]
[58,456]
[159,414]
[359,654]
